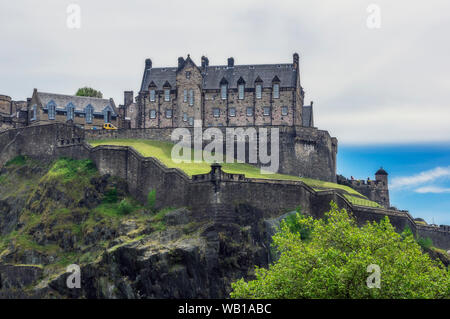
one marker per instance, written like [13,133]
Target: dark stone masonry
[216,192]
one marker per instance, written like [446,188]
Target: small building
[86,112]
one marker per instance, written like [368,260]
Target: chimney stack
[127,98]
[148,64]
[231,62]
[205,62]
[180,62]
[296,60]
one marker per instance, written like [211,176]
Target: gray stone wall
[219,193]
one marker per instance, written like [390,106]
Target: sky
[382,91]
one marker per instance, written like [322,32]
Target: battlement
[201,192]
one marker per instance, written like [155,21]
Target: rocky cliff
[56,214]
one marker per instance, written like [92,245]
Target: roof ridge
[76,96]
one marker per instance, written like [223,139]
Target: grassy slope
[162,151]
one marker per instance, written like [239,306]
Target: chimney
[148,64]
[205,62]
[180,62]
[127,98]
[231,62]
[296,60]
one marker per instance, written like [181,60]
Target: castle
[219,95]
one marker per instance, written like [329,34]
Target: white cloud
[432,189]
[421,178]
[369,85]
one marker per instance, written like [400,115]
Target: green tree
[87,91]
[333,261]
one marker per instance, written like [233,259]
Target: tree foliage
[87,91]
[332,262]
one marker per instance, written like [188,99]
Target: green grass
[162,151]
[68,169]
[18,161]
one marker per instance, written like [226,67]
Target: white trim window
[241,90]
[152,95]
[185,117]
[167,95]
[223,91]
[89,114]
[266,111]
[284,110]
[191,121]
[258,91]
[276,91]
[216,112]
[169,114]
[249,111]
[185,96]
[232,112]
[153,114]
[51,110]
[70,112]
[34,114]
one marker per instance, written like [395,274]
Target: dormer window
[258,90]
[223,91]
[241,89]
[276,90]
[152,95]
[167,95]
[70,112]
[51,110]
[89,113]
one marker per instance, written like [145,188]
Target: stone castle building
[219,95]
[85,112]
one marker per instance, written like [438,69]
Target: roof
[80,102]
[307,116]
[381,171]
[213,75]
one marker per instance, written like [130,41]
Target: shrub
[425,242]
[110,196]
[125,207]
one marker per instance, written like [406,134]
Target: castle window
[266,111]
[70,112]
[51,110]
[89,113]
[284,110]
[241,91]
[34,113]
[185,117]
[191,121]
[167,95]
[232,112]
[188,74]
[249,111]
[223,91]
[169,114]
[153,114]
[216,112]
[191,97]
[258,91]
[276,91]
[152,95]
[185,96]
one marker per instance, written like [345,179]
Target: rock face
[173,253]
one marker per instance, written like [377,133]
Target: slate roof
[381,171]
[80,102]
[213,75]
[307,116]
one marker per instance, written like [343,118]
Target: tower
[381,177]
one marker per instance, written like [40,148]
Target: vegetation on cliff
[329,258]
[162,151]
